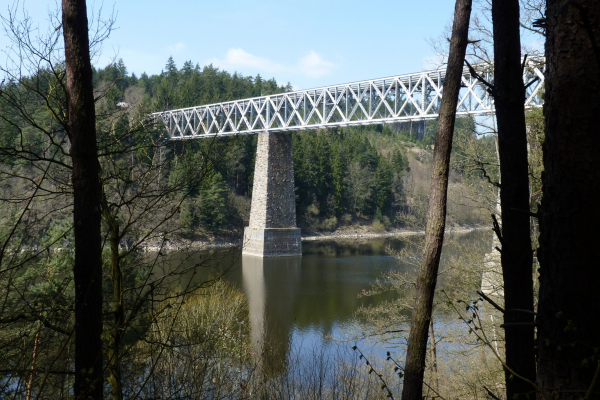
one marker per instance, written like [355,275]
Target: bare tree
[436,219]
[36,235]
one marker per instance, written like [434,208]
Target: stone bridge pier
[272,230]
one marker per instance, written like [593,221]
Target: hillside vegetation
[359,178]
[374,177]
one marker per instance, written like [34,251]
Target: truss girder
[399,98]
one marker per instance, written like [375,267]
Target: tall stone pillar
[272,231]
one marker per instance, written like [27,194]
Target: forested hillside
[372,178]
[345,176]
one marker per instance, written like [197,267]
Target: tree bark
[516,255]
[434,367]
[86,210]
[568,323]
[436,222]
[117,329]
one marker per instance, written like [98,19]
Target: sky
[307,43]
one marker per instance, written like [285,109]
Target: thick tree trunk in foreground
[86,212]
[516,255]
[569,306]
[436,219]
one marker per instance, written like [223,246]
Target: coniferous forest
[345,176]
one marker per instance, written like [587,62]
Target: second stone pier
[272,230]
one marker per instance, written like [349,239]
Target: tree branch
[45,322]
[480,78]
[492,395]
[497,229]
[492,302]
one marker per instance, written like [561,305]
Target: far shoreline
[340,235]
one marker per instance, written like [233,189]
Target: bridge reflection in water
[270,285]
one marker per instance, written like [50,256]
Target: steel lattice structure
[398,98]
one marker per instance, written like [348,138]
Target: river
[300,303]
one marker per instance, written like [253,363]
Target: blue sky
[307,43]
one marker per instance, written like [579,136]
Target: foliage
[198,343]
[535,137]
[342,173]
[348,171]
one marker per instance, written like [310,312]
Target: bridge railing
[399,98]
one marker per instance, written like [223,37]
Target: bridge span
[409,97]
[272,229]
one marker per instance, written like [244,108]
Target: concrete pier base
[272,230]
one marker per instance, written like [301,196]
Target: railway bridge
[272,229]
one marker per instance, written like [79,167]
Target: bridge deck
[408,97]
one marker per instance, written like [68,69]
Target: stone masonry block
[273,210]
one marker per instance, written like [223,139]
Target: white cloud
[177,48]
[314,66]
[239,58]
[311,65]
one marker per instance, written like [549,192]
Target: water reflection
[296,302]
[270,286]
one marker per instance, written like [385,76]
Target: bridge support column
[272,231]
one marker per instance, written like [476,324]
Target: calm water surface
[303,302]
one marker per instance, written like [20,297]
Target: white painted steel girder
[399,98]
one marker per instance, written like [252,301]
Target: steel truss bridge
[409,97]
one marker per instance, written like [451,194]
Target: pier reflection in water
[270,285]
[297,303]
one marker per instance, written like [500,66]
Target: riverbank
[347,234]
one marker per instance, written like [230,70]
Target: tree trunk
[436,222]
[116,330]
[569,305]
[516,255]
[434,367]
[86,211]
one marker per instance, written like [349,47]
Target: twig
[384,385]
[24,371]
[489,179]
[492,302]
[44,321]
[534,80]
[497,230]
[480,78]
[492,395]
[400,374]
[487,343]
[531,214]
[539,23]
[524,62]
